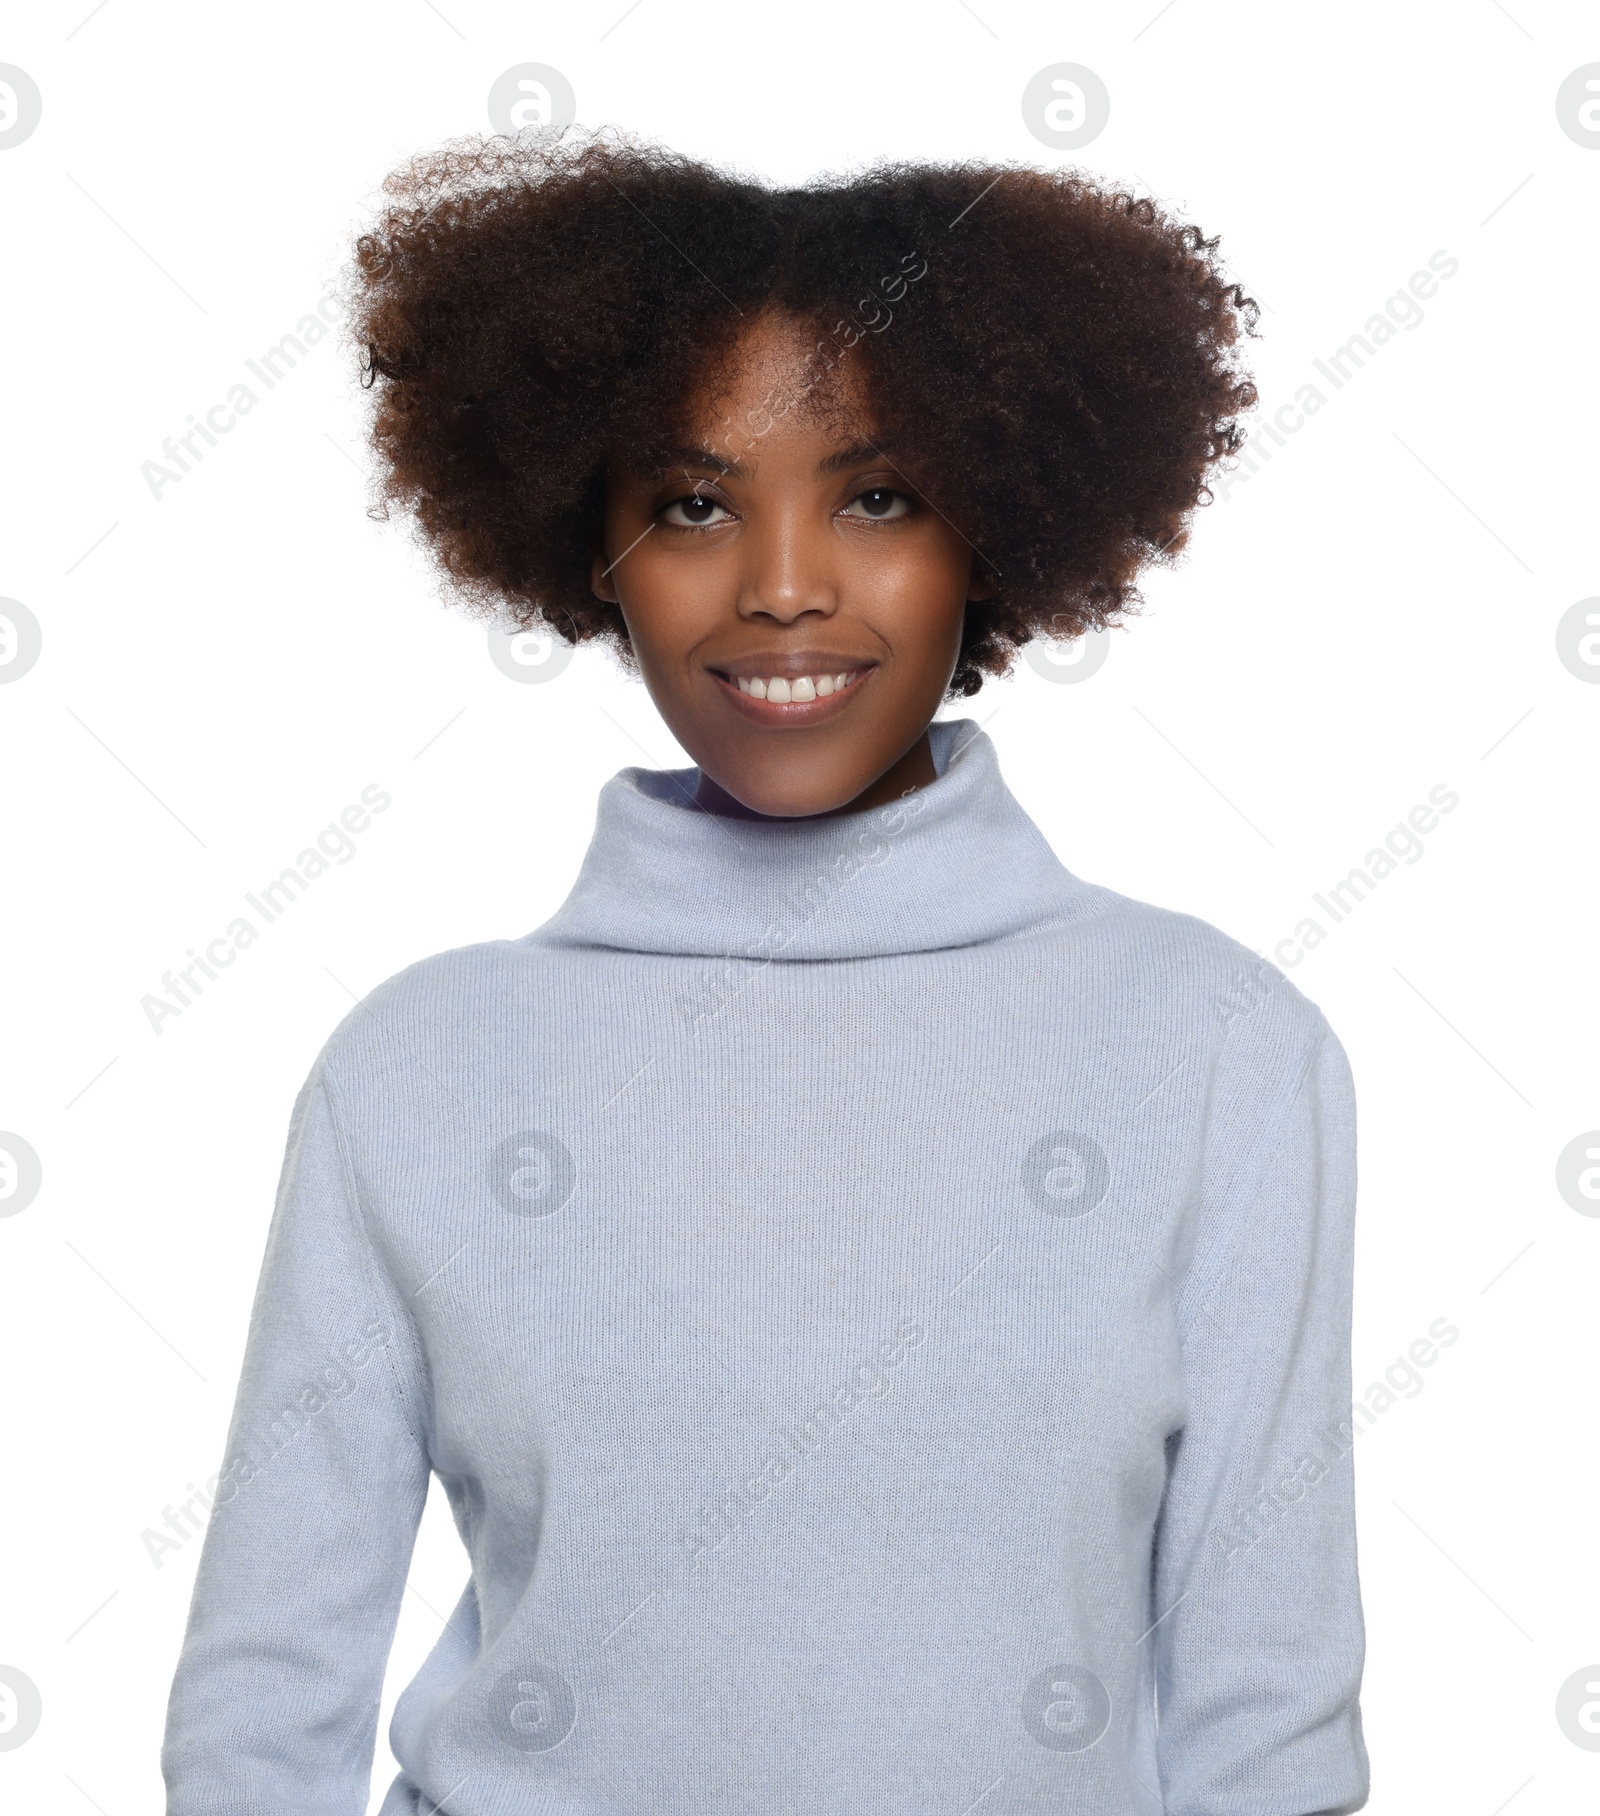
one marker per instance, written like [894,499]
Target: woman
[877,1303]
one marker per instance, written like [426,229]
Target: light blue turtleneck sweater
[879,1307]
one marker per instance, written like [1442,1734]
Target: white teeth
[797,690]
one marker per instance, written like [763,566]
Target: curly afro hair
[1052,362]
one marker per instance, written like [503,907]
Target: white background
[1371,614]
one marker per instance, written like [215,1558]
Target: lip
[774,713]
[811,660]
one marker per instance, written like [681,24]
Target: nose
[788,570]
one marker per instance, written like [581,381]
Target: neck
[912,771]
[955,863]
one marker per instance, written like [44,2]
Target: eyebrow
[701,457]
[858,454]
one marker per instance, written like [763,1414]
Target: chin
[789,791]
[792,804]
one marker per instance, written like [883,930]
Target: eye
[878,504]
[693,511]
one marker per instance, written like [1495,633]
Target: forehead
[774,389]
[777,367]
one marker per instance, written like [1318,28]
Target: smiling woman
[849,1274]
[805,589]
[1050,358]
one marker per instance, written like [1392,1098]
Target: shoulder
[1165,963]
[428,1008]
[1197,999]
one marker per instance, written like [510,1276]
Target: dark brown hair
[1051,361]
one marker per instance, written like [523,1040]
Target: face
[794,605]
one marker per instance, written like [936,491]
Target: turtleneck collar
[953,864]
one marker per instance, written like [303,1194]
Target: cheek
[920,587]
[669,603]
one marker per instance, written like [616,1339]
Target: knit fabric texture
[879,1309]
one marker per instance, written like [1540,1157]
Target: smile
[797,688]
[791,699]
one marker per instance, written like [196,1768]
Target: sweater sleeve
[274,1705]
[1259,1635]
